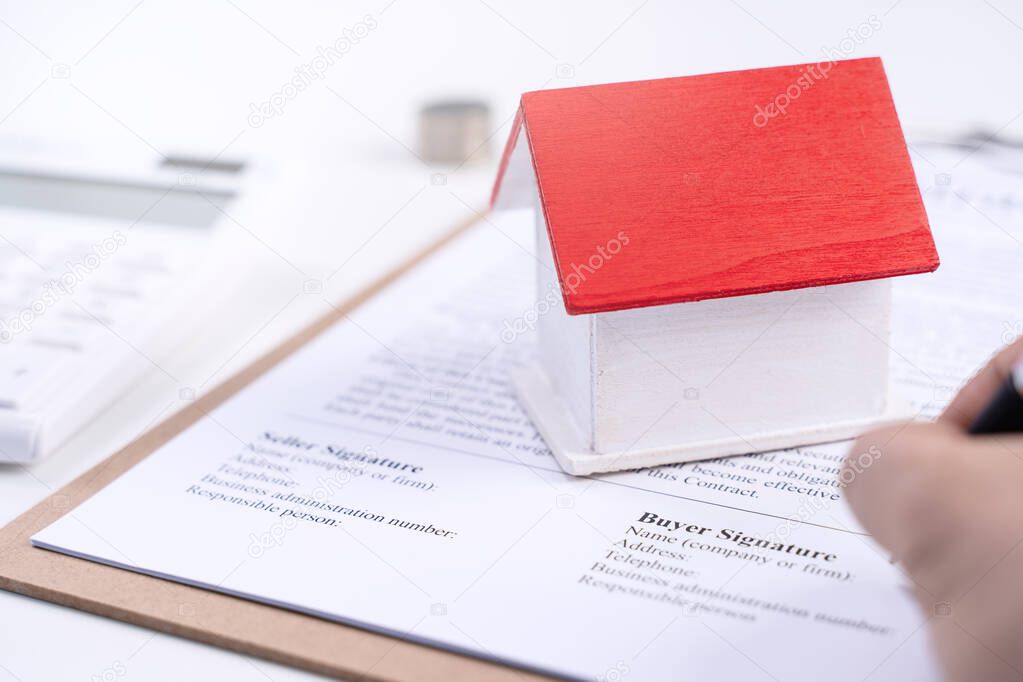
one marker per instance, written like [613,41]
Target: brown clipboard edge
[248,627]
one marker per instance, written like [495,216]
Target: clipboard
[268,632]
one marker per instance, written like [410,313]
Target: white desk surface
[174,77]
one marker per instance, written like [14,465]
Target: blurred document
[102,254]
[385,476]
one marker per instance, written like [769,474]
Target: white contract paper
[385,476]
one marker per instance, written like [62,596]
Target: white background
[164,76]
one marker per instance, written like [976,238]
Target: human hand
[949,507]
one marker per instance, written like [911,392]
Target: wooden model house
[721,248]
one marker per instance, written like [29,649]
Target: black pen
[1005,411]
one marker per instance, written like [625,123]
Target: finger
[974,396]
[947,507]
[894,477]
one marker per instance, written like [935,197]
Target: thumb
[894,477]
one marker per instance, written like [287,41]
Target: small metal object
[454,131]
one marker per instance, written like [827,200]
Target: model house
[722,247]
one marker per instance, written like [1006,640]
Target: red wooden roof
[704,190]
